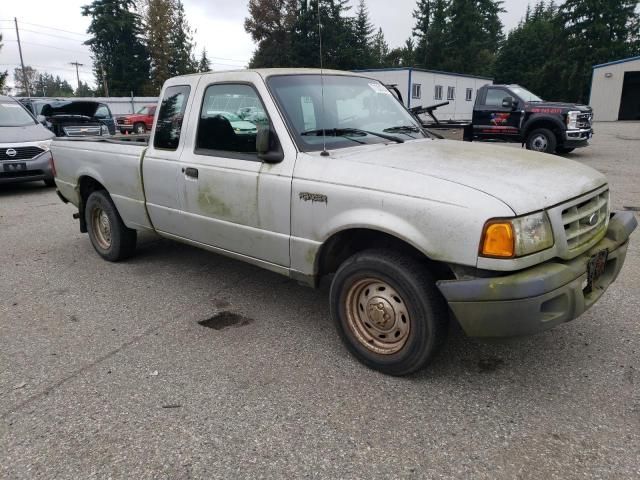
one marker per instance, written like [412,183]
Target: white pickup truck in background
[335,178]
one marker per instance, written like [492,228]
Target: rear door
[493,120]
[161,164]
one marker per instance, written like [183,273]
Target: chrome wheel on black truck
[541,140]
[388,311]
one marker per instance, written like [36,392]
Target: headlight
[516,237]
[104,130]
[46,145]
[572,120]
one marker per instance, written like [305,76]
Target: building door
[630,101]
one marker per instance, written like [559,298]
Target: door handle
[190,172]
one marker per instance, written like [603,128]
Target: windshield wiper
[344,132]
[404,129]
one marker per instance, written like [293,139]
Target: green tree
[596,31]
[117,46]
[158,16]
[435,55]
[380,49]
[534,54]
[423,16]
[474,36]
[21,80]
[270,23]
[204,65]
[84,90]
[181,41]
[363,31]
[3,75]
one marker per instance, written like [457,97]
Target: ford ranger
[340,180]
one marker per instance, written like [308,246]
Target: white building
[422,88]
[615,90]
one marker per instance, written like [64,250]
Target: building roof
[624,60]
[439,72]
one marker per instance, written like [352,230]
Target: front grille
[586,220]
[81,131]
[21,153]
[584,120]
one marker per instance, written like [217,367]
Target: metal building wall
[606,89]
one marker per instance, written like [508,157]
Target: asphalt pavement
[180,363]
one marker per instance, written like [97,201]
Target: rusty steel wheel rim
[101,227]
[378,316]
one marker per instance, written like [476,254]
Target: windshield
[525,94]
[143,111]
[356,110]
[12,114]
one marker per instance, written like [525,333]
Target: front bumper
[538,298]
[577,138]
[38,168]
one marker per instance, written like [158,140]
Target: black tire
[542,140]
[564,150]
[412,290]
[49,182]
[113,242]
[139,128]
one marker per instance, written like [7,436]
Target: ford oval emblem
[593,219]
[11,152]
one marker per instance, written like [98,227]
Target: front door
[492,119]
[231,199]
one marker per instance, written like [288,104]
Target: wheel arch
[555,125]
[344,243]
[87,184]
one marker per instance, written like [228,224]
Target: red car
[138,122]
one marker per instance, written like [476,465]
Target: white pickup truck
[311,176]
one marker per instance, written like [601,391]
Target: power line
[45,33]
[48,46]
[49,28]
[48,67]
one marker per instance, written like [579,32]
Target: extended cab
[338,179]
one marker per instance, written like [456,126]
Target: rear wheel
[564,150]
[542,140]
[139,128]
[388,311]
[108,234]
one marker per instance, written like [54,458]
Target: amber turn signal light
[498,240]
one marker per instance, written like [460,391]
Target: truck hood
[525,181]
[27,133]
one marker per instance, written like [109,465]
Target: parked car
[343,182]
[25,154]
[66,117]
[139,122]
[240,126]
[511,113]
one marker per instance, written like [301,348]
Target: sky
[52,32]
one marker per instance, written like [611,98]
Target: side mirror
[507,102]
[267,145]
[41,119]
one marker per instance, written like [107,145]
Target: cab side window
[229,120]
[103,112]
[495,97]
[169,124]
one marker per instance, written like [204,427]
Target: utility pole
[77,74]
[24,72]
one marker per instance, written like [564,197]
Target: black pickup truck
[510,113]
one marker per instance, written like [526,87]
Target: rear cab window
[170,118]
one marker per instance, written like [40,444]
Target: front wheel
[108,234]
[140,128]
[388,311]
[542,140]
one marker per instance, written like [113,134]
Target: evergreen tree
[596,32]
[363,32]
[117,47]
[474,35]
[423,16]
[269,23]
[203,64]
[158,25]
[84,90]
[21,80]
[3,75]
[380,50]
[436,54]
[181,42]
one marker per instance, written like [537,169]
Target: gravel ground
[105,371]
